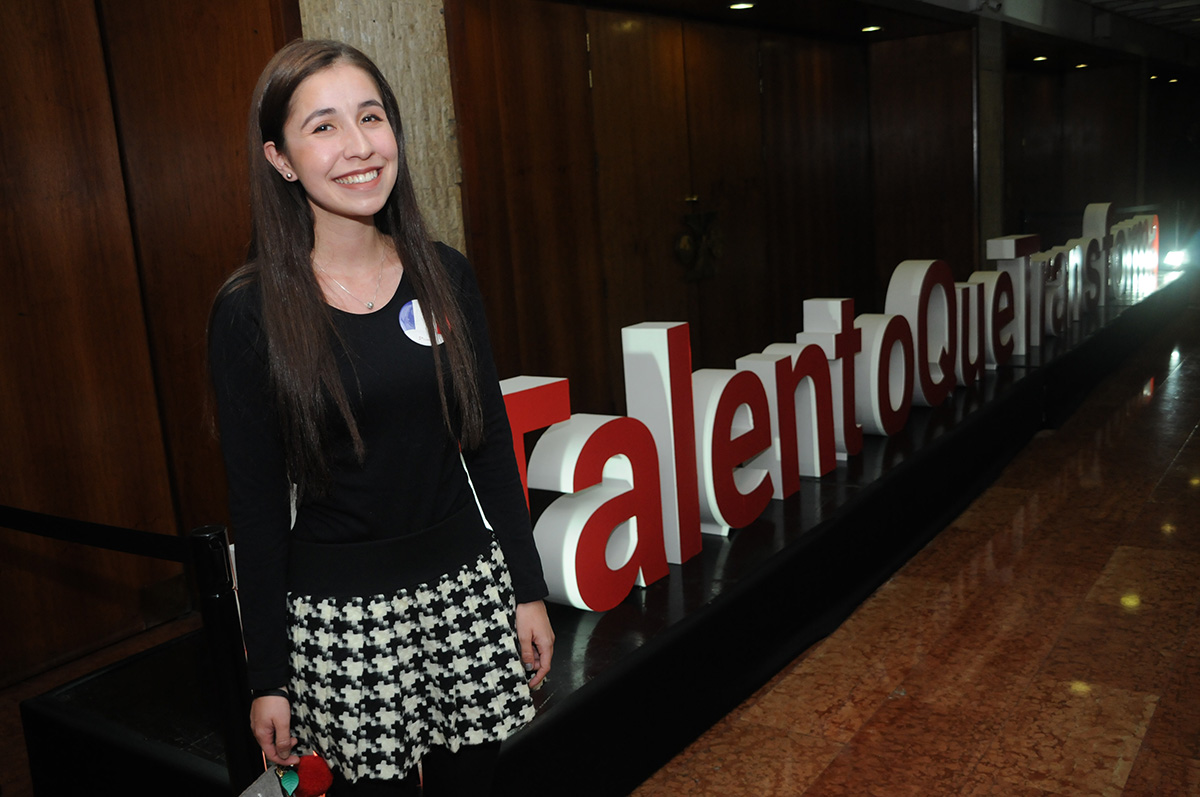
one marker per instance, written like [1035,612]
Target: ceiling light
[1081,66]
[741,6]
[1039,58]
[1173,80]
[871,29]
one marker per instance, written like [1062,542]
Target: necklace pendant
[370,305]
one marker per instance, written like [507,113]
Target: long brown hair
[296,319]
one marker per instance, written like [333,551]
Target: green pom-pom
[289,780]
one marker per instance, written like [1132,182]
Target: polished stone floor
[1045,643]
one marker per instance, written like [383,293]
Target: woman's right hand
[271,722]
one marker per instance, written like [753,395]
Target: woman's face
[338,144]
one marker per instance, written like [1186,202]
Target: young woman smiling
[391,603]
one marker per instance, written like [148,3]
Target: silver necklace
[378,281]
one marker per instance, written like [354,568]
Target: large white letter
[658,392]
[605,534]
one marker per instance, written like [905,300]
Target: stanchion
[223,632]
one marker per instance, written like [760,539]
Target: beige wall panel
[407,39]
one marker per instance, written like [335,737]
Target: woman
[388,623]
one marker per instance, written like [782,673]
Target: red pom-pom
[315,777]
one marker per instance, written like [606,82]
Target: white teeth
[365,177]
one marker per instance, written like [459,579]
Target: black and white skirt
[423,654]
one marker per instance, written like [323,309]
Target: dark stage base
[633,686]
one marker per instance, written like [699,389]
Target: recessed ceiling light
[1173,80]
[871,29]
[1039,58]
[1081,66]
[1154,77]
[741,6]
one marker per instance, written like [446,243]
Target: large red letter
[923,292]
[1012,253]
[533,402]
[970,333]
[801,395]
[885,397]
[606,535]
[658,392]
[733,427]
[998,318]
[829,323]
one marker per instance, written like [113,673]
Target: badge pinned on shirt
[413,323]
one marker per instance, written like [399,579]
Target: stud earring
[289,175]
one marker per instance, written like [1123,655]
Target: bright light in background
[1039,58]
[1080,688]
[871,28]
[741,6]
[1168,529]
[1081,66]
[1175,259]
[1131,601]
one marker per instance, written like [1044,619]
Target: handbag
[310,778]
[268,784]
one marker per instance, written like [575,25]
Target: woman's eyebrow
[329,111]
[315,114]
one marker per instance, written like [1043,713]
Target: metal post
[223,630]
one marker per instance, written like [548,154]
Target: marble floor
[1046,643]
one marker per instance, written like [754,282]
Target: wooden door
[529,188]
[643,180]
[923,152]
[79,424]
[816,135]
[726,153]
[182,74]
[122,205]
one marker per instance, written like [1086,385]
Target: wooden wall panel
[816,140]
[182,75]
[923,145]
[639,103]
[486,216]
[1173,157]
[725,137]
[1071,138]
[1033,170]
[546,153]
[79,424]
[1100,137]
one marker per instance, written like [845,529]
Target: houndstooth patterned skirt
[378,679]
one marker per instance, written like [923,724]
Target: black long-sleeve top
[412,476]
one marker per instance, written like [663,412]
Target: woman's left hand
[537,640]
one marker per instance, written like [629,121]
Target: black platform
[633,686]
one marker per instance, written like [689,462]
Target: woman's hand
[271,720]
[537,640]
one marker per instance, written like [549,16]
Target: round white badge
[413,324]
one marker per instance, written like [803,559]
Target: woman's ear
[278,160]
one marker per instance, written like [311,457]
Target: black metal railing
[205,553]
